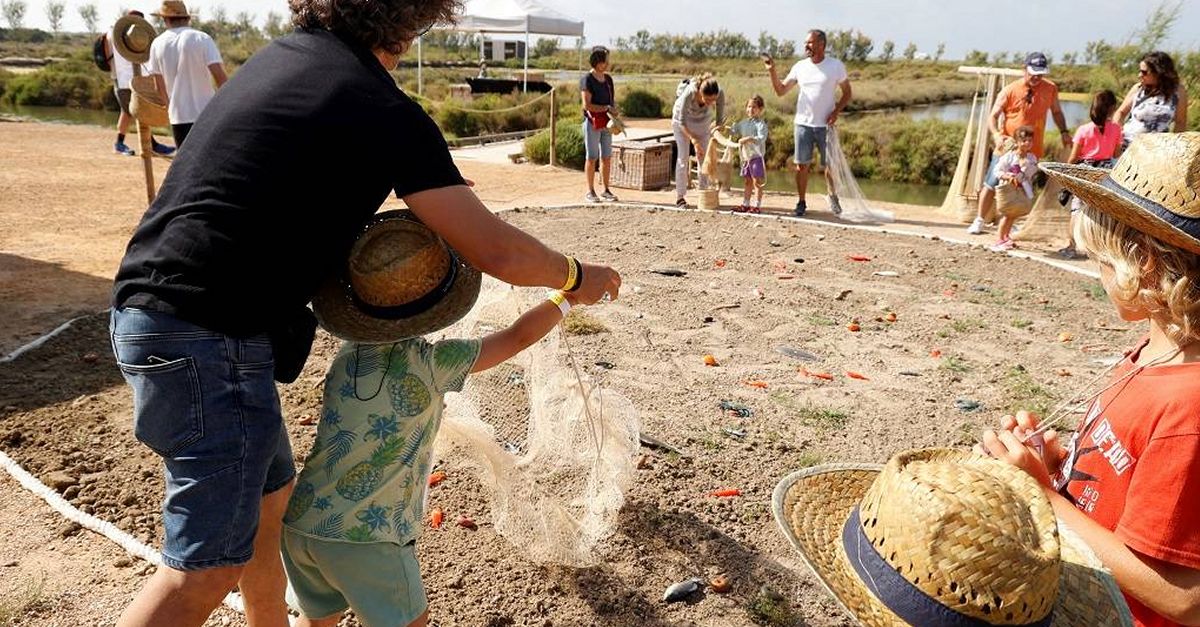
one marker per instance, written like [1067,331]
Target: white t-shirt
[182,56]
[818,89]
[122,69]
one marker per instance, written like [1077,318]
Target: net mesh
[853,202]
[552,447]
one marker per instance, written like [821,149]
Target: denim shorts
[992,180]
[206,403]
[381,581]
[807,138]
[597,142]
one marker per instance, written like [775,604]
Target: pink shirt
[1096,146]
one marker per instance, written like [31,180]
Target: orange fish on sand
[856,375]
[436,478]
[762,385]
[436,517]
[727,492]
[816,375]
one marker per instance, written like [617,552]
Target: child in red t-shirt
[1126,479]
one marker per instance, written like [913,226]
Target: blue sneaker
[801,209]
[121,149]
[162,149]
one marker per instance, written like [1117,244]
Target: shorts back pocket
[167,410]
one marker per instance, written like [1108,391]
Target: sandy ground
[67,207]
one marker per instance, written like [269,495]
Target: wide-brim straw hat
[943,537]
[400,280]
[1154,187]
[132,36]
[172,8]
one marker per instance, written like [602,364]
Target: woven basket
[145,105]
[1012,202]
[710,199]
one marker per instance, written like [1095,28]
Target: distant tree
[1017,58]
[888,51]
[787,50]
[910,51]
[275,27]
[54,14]
[860,47]
[837,43]
[546,47]
[14,12]
[941,50]
[767,43]
[976,57]
[1158,25]
[90,16]
[1068,58]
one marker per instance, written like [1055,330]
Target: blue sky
[1052,25]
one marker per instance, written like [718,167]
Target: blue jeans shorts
[807,138]
[381,581]
[992,179]
[206,403]
[597,142]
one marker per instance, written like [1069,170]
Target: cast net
[854,204]
[551,446]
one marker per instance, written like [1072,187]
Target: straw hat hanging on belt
[132,35]
[400,280]
[944,538]
[1154,187]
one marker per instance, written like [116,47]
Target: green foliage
[639,103]
[1025,393]
[72,83]
[772,611]
[910,51]
[899,149]
[490,114]
[568,145]
[953,363]
[889,51]
[976,57]
[546,47]
[14,12]
[90,16]
[54,14]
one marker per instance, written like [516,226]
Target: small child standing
[1096,144]
[1016,168]
[752,146]
[356,511]
[1126,480]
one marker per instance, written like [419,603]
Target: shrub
[639,103]
[71,83]
[569,149]
[899,149]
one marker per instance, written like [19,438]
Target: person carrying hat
[1021,103]
[944,538]
[185,64]
[282,171]
[130,42]
[1125,479]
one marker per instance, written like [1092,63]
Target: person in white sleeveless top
[185,64]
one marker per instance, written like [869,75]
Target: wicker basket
[1011,201]
[641,165]
[145,104]
[710,199]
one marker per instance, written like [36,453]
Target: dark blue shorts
[206,403]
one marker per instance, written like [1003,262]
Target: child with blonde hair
[1124,481]
[752,144]
[1016,168]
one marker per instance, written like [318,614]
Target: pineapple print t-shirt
[365,478]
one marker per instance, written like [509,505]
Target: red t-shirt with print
[1135,464]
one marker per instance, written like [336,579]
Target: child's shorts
[754,168]
[381,581]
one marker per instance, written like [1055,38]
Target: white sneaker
[976,227]
[591,197]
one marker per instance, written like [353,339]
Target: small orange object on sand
[728,492]
[709,360]
[853,327]
[1065,337]
[816,375]
[720,584]
[436,478]
[720,263]
[762,385]
[858,257]
[935,353]
[890,317]
[856,375]
[436,517]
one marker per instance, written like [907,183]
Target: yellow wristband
[572,274]
[560,300]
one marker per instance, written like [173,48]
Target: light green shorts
[380,581]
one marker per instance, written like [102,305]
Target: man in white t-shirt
[122,75]
[817,107]
[185,63]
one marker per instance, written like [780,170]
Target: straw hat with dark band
[401,280]
[943,538]
[172,8]
[1154,187]
[132,35]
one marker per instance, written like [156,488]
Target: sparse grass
[22,598]
[1025,393]
[1021,323]
[1096,291]
[810,458]
[967,434]
[943,333]
[820,321]
[954,363]
[966,325]
[765,610]
[579,323]
[824,418]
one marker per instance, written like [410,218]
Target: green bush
[569,149]
[639,103]
[71,83]
[899,149]
[490,114]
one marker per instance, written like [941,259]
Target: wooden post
[146,151]
[553,120]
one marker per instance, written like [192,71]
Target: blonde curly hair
[1159,278]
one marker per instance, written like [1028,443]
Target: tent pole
[420,81]
[525,81]
[553,123]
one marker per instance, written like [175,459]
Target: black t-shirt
[277,178]
[602,91]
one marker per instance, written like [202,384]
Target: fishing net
[854,204]
[552,447]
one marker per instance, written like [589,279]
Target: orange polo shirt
[1020,110]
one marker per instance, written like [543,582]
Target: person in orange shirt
[1022,103]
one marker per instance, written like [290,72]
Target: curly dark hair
[1163,68]
[390,25]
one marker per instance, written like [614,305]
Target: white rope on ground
[41,340]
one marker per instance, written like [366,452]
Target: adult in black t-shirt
[282,170]
[599,103]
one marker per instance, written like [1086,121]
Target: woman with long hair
[1158,103]
[692,119]
[1096,144]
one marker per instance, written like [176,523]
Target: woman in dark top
[599,103]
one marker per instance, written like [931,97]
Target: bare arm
[780,87]
[532,326]
[1126,106]
[1060,121]
[218,73]
[1074,158]
[993,120]
[1181,111]
[844,100]
[500,249]
[160,84]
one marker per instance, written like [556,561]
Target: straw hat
[172,8]
[1154,187]
[940,538]
[132,35]
[400,280]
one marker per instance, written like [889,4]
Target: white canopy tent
[512,17]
